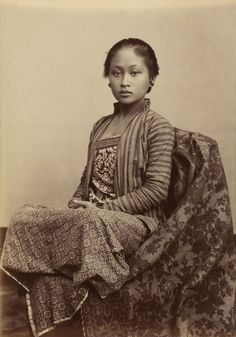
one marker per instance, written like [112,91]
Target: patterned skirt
[57,254]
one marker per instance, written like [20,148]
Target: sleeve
[79,193]
[157,176]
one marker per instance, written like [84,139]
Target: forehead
[126,56]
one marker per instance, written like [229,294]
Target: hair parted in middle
[141,48]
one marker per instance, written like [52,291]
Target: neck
[130,109]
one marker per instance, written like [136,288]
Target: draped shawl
[182,278]
[181,281]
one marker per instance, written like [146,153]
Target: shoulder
[100,121]
[155,117]
[155,122]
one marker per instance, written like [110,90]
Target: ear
[151,84]
[152,81]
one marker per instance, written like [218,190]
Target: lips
[125,93]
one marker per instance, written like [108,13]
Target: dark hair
[141,48]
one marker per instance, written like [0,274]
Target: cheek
[145,83]
[113,80]
[113,85]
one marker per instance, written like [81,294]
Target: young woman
[129,157]
[57,254]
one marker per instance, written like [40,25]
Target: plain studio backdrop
[52,88]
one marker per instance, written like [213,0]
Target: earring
[151,83]
[109,84]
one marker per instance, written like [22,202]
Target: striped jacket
[143,165]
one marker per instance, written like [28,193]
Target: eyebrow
[131,66]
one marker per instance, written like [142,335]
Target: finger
[80,202]
[72,204]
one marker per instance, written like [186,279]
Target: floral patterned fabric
[182,278]
[179,283]
[56,254]
[102,180]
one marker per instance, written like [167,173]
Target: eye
[116,73]
[135,72]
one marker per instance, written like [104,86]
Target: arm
[79,193]
[157,176]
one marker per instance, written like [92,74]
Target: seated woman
[57,254]
[130,151]
[146,246]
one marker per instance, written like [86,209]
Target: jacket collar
[143,108]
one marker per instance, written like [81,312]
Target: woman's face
[129,76]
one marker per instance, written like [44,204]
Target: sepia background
[52,89]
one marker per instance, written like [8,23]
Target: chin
[126,100]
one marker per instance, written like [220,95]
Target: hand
[76,203]
[85,204]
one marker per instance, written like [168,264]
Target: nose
[125,80]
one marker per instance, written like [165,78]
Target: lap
[45,221]
[128,229]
